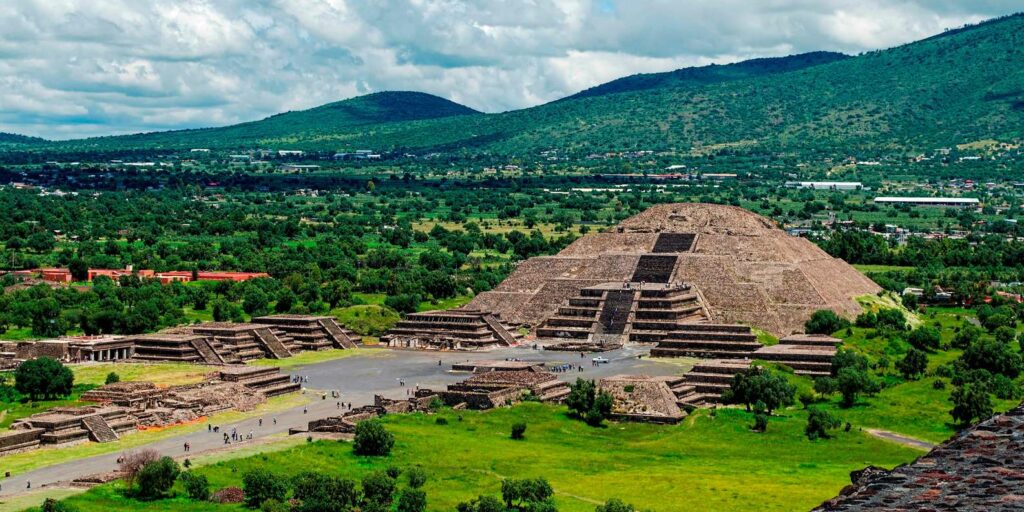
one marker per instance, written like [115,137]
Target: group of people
[567,367]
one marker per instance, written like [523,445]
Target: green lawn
[715,462]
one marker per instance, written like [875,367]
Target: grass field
[311,357]
[715,462]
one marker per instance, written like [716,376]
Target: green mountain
[704,75]
[13,139]
[349,116]
[961,86]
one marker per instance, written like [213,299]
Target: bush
[261,485]
[924,338]
[939,384]
[825,321]
[274,505]
[819,422]
[52,505]
[970,402]
[412,500]
[378,491]
[518,430]
[196,486]
[319,492]
[585,402]
[482,504]
[441,421]
[372,439]
[157,477]
[994,357]
[615,505]
[967,335]
[760,422]
[889,318]
[133,462]
[417,477]
[43,377]
[112,378]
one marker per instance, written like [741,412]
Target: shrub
[615,505]
[1005,334]
[441,421]
[261,485]
[319,492]
[157,477]
[112,378]
[196,486]
[967,335]
[819,422]
[52,505]
[924,338]
[518,430]
[970,402]
[890,318]
[586,402]
[412,500]
[417,477]
[939,384]
[378,491]
[759,385]
[825,321]
[372,439]
[760,422]
[133,462]
[275,505]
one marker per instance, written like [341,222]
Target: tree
[913,365]
[482,504]
[518,430]
[43,377]
[260,485]
[968,334]
[133,462]
[378,491]
[196,485]
[320,493]
[79,269]
[157,477]
[615,505]
[527,494]
[417,477]
[412,500]
[819,422]
[993,356]
[758,384]
[372,439]
[825,321]
[891,318]
[846,358]
[46,319]
[112,378]
[851,382]
[1005,334]
[585,402]
[970,401]
[924,338]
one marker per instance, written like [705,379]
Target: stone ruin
[696,263]
[501,387]
[346,422]
[978,469]
[215,343]
[125,406]
[459,329]
[643,398]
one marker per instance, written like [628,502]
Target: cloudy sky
[74,68]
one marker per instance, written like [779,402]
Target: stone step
[98,429]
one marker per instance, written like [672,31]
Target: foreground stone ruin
[345,423]
[215,343]
[979,469]
[126,406]
[643,398]
[460,329]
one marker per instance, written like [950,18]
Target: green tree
[112,378]
[913,365]
[533,494]
[79,269]
[970,401]
[318,492]
[924,338]
[372,439]
[412,500]
[825,321]
[482,504]
[378,491]
[819,422]
[43,377]
[852,382]
[156,478]
[615,505]
[758,384]
[417,477]
[196,486]
[260,485]
[993,356]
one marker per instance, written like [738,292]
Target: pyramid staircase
[654,268]
[300,332]
[99,430]
[341,339]
[209,355]
[668,243]
[615,311]
[268,380]
[707,380]
[660,311]
[271,343]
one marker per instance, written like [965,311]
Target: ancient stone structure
[643,398]
[346,422]
[714,263]
[309,332]
[978,469]
[178,347]
[496,365]
[459,329]
[499,388]
[125,406]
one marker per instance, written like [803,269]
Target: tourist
[261,422]
[209,428]
[304,410]
[275,421]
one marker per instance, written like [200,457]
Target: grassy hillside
[704,75]
[13,139]
[958,87]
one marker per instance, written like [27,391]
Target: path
[900,439]
[358,378]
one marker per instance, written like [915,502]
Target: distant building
[718,176]
[960,202]
[290,152]
[826,185]
[297,167]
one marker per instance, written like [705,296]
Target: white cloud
[71,68]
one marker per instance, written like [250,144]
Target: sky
[80,68]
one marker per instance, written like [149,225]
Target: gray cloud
[72,68]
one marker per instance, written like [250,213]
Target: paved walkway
[358,378]
[900,439]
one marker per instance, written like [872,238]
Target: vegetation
[586,402]
[372,439]
[44,378]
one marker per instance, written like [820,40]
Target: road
[358,379]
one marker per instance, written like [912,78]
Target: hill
[957,87]
[13,139]
[703,75]
[348,116]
